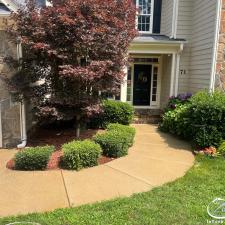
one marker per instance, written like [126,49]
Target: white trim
[175,18]
[123,93]
[156,104]
[177,74]
[215,47]
[172,74]
[152,52]
[10,4]
[151,15]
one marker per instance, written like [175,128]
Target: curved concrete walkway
[155,159]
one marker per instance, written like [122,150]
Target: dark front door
[142,85]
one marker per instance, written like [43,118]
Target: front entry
[142,85]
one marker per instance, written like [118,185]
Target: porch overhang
[156,44]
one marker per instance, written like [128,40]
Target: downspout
[215,47]
[23,126]
[22,108]
[175,17]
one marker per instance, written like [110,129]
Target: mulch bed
[58,137]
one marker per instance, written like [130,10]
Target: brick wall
[220,70]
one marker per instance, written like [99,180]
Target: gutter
[215,47]
[22,108]
[156,42]
[10,4]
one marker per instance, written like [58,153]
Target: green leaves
[116,141]
[200,120]
[80,154]
[33,158]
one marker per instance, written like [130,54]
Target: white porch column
[172,77]
[177,74]
[123,93]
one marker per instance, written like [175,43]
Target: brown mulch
[58,137]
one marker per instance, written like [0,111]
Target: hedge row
[80,154]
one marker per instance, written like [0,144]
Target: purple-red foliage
[78,48]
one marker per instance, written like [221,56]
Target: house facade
[177,51]
[180,48]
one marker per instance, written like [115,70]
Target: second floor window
[145,15]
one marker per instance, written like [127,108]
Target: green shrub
[207,136]
[126,130]
[113,112]
[80,154]
[33,158]
[114,143]
[208,110]
[221,149]
[177,122]
[175,101]
[201,119]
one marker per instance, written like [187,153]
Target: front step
[147,116]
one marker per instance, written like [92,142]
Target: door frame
[153,105]
[150,88]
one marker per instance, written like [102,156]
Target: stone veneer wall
[10,112]
[220,69]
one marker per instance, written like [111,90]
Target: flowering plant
[210,151]
[180,99]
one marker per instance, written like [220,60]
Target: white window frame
[150,15]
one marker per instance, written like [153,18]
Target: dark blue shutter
[157,16]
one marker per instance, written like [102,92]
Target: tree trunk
[78,126]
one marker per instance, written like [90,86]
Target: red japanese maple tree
[72,51]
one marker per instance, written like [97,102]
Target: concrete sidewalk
[155,159]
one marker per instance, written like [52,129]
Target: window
[129,84]
[154,84]
[145,16]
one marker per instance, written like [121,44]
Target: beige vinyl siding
[184,31]
[203,34]
[167,17]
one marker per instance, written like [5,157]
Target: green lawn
[178,203]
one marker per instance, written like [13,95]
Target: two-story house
[180,49]
[175,52]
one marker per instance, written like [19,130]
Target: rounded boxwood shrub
[113,112]
[117,112]
[126,130]
[113,143]
[33,158]
[80,154]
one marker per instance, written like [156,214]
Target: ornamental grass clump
[80,154]
[33,158]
